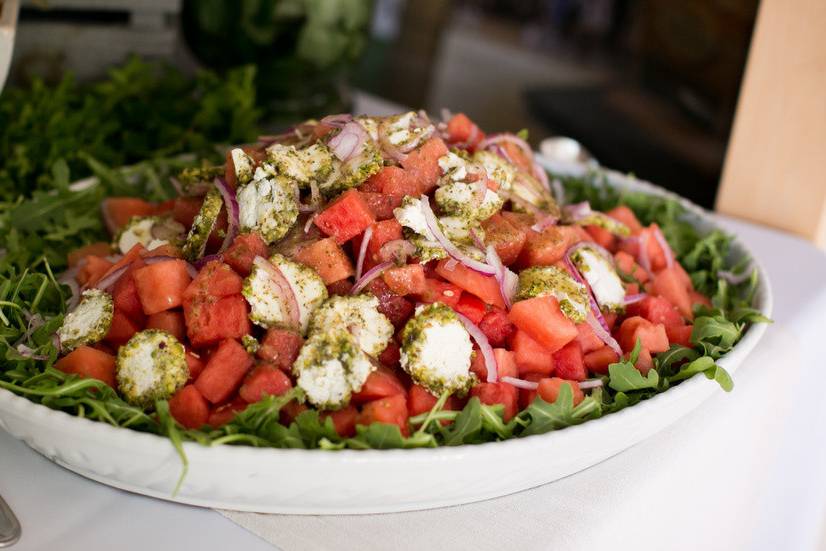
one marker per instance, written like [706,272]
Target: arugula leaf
[466,426]
[715,334]
[543,417]
[623,376]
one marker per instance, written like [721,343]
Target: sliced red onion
[349,143]
[69,279]
[735,279]
[645,262]
[541,175]
[27,352]
[179,189]
[495,139]
[602,332]
[577,211]
[572,269]
[590,383]
[337,121]
[108,281]
[203,261]
[545,221]
[289,303]
[233,212]
[308,224]
[602,251]
[447,245]
[520,383]
[396,251]
[451,264]
[507,280]
[631,299]
[389,149]
[666,248]
[365,241]
[558,191]
[369,276]
[484,347]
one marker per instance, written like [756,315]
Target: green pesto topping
[264,298]
[552,281]
[151,366]
[605,222]
[202,226]
[198,180]
[269,206]
[354,172]
[89,322]
[458,199]
[610,279]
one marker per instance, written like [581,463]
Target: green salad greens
[42,218]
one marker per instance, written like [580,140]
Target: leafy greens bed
[42,218]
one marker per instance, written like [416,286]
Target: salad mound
[371,282]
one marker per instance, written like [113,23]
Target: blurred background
[648,86]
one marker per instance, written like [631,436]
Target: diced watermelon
[216,279]
[264,380]
[527,395]
[280,347]
[117,211]
[209,320]
[544,322]
[587,339]
[498,393]
[383,232]
[644,362]
[346,217]
[597,361]
[439,291]
[477,365]
[471,307]
[548,246]
[422,164]
[699,298]
[344,420]
[342,287]
[569,363]
[164,207]
[530,356]
[328,259]
[171,321]
[89,362]
[225,413]
[161,285]
[652,336]
[125,295]
[392,181]
[405,280]
[391,355]
[195,364]
[382,205]
[460,129]
[505,363]
[602,237]
[679,334]
[506,237]
[626,216]
[627,265]
[669,285]
[224,371]
[93,249]
[189,407]
[549,389]
[483,286]
[391,410]
[420,400]
[242,252]
[397,308]
[656,310]
[92,270]
[121,329]
[381,383]
[610,319]
[186,209]
[497,327]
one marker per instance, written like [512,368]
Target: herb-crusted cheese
[244,165]
[308,287]
[549,280]
[459,198]
[268,205]
[354,172]
[330,367]
[139,230]
[601,277]
[358,314]
[151,366]
[89,322]
[437,351]
[203,225]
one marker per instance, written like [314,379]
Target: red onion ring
[365,241]
[558,191]
[289,304]
[666,248]
[396,251]
[577,211]
[546,221]
[631,299]
[369,276]
[520,383]
[449,247]
[484,347]
[590,383]
[233,212]
[27,352]
[108,281]
[735,279]
[337,121]
[508,281]
[349,143]
[572,269]
[602,332]
[645,261]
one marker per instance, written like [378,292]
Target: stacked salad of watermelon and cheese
[379,264]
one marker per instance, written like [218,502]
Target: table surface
[59,508]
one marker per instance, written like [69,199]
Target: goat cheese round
[549,280]
[244,165]
[202,226]
[330,367]
[89,322]
[606,285]
[436,350]
[359,315]
[139,230]
[151,366]
[267,205]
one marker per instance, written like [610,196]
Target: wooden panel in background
[775,170]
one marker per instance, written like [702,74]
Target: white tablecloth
[745,471]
